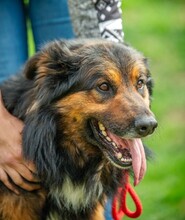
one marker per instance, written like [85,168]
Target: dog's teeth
[119,155]
[101,126]
[104,133]
[114,144]
[123,159]
[126,160]
[108,138]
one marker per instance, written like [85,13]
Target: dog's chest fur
[78,200]
[76,197]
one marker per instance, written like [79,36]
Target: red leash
[119,202]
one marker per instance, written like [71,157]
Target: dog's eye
[140,84]
[104,87]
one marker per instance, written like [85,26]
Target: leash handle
[120,200]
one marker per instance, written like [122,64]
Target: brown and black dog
[85,105]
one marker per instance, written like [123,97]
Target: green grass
[157,28]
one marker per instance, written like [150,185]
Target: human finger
[21,182]
[5,180]
[26,173]
[31,166]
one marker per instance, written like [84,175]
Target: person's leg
[50,20]
[13,37]
[108,210]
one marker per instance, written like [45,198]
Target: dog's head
[93,95]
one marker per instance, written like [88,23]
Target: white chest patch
[76,196]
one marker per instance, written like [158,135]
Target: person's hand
[13,168]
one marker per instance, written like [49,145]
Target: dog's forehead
[119,60]
[116,62]
[92,59]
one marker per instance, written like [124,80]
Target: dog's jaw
[122,153]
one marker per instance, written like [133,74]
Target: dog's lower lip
[119,156]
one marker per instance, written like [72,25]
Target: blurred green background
[157,28]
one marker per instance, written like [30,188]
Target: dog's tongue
[138,155]
[138,159]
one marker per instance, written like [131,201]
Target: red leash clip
[119,202]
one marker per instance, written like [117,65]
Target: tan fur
[99,213]
[16,207]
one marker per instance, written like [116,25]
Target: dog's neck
[83,193]
[84,178]
[76,197]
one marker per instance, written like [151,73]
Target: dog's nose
[145,125]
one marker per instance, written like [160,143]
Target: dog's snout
[145,125]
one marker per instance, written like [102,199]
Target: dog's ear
[55,58]
[39,142]
[53,70]
[150,82]
[31,66]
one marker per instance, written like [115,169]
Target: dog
[85,105]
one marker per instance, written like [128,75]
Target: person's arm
[109,15]
[13,168]
[97,18]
